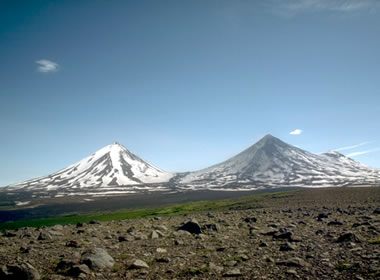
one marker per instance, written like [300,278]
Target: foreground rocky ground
[309,234]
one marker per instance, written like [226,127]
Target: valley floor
[304,234]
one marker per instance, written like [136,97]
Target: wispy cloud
[293,7]
[353,146]
[296,132]
[47,66]
[355,154]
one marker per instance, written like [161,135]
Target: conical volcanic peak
[271,162]
[111,166]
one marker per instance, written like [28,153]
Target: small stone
[215,267]
[8,233]
[44,236]
[292,272]
[231,263]
[250,220]
[153,235]
[161,227]
[293,262]
[72,243]
[211,227]
[322,216]
[347,237]
[376,211]
[335,223]
[138,264]
[235,272]
[24,249]
[163,260]
[178,242]
[287,247]
[161,250]
[283,234]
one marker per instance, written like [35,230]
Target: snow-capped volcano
[110,167]
[272,162]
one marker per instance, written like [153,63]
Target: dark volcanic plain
[331,233]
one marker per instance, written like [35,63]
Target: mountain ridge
[269,163]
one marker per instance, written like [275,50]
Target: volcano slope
[331,233]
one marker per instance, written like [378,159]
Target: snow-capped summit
[272,162]
[111,166]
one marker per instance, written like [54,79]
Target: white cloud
[296,132]
[293,7]
[355,154]
[47,66]
[353,146]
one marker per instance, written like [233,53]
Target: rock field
[309,234]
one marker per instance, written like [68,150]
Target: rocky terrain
[329,233]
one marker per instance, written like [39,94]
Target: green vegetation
[247,202]
[375,240]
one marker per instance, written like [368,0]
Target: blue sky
[185,84]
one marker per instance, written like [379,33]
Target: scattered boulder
[44,236]
[322,216]
[214,267]
[153,235]
[138,264]
[161,227]
[376,211]
[97,258]
[293,262]
[348,237]
[163,259]
[287,247]
[72,244]
[178,242]
[235,272]
[23,271]
[250,220]
[9,233]
[78,270]
[211,227]
[283,234]
[161,250]
[335,223]
[191,226]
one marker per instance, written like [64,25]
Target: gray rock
[153,235]
[23,271]
[211,227]
[348,237]
[139,264]
[72,244]
[44,236]
[283,234]
[163,259]
[335,223]
[287,247]
[235,272]
[214,267]
[191,226]
[293,262]
[97,258]
[161,227]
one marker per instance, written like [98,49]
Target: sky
[185,84]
